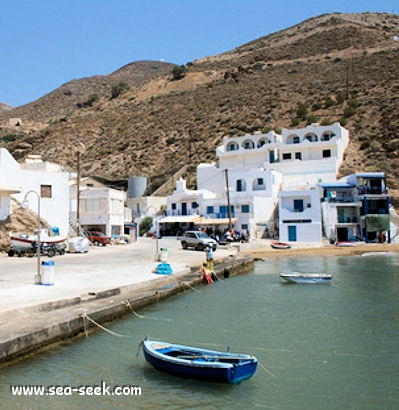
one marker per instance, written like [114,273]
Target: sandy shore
[327,250]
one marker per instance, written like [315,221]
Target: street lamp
[156,230]
[25,204]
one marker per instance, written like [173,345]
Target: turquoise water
[319,346]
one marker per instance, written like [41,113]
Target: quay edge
[55,322]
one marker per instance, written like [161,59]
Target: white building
[300,216]
[356,207]
[8,185]
[35,180]
[101,208]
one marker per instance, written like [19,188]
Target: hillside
[335,67]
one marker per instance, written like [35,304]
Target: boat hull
[24,243]
[206,365]
[280,245]
[306,278]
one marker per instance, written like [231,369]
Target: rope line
[264,368]
[85,316]
[191,287]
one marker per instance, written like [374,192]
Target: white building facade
[101,209]
[48,181]
[300,216]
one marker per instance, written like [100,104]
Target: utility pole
[226,176]
[78,192]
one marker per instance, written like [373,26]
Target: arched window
[248,144]
[327,136]
[311,137]
[232,146]
[262,142]
[241,185]
[293,139]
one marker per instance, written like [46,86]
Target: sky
[46,43]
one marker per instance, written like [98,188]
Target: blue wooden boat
[200,364]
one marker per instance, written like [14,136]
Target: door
[292,233]
[184,208]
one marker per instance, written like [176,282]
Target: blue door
[292,233]
[184,208]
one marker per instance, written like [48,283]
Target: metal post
[37,278]
[156,230]
[78,193]
[228,197]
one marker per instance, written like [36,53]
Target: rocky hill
[144,120]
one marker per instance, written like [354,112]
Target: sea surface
[328,346]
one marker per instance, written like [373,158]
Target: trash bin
[163,256]
[48,271]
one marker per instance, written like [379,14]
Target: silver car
[198,240]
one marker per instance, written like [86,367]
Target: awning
[215,221]
[179,219]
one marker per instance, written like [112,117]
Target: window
[209,210]
[232,146]
[245,209]
[326,153]
[262,142]
[296,140]
[258,184]
[45,191]
[223,211]
[311,137]
[327,136]
[287,156]
[298,155]
[194,205]
[241,186]
[298,205]
[248,144]
[173,206]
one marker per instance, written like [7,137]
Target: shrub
[119,89]
[179,72]
[302,111]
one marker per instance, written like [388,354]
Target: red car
[98,238]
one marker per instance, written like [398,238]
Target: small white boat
[306,277]
[280,245]
[345,244]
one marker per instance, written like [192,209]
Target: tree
[145,225]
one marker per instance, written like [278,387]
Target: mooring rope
[264,368]
[191,287]
[86,317]
[127,303]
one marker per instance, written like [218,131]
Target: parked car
[198,240]
[98,238]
